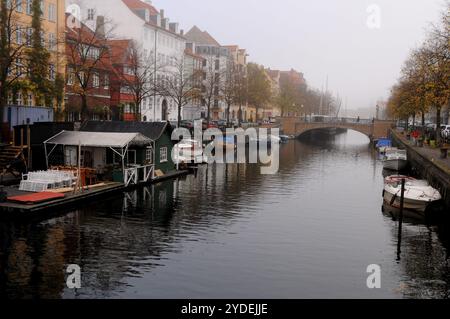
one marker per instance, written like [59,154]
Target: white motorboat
[267,139]
[417,196]
[383,144]
[188,152]
[395,159]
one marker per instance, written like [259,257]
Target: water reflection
[308,231]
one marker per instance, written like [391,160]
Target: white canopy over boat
[98,139]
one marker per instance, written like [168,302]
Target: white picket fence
[131,175]
[43,180]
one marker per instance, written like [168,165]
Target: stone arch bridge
[373,129]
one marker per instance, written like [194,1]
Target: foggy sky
[317,37]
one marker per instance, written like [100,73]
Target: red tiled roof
[118,49]
[137,4]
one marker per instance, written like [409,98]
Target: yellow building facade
[53,30]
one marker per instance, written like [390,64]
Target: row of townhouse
[134,24]
[164,42]
[160,42]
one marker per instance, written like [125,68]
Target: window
[95,80]
[125,90]
[51,72]
[29,7]
[51,41]
[90,52]
[91,14]
[128,70]
[70,76]
[19,5]
[30,100]
[163,154]
[19,98]
[43,38]
[106,82]
[42,7]
[19,36]
[52,12]
[29,36]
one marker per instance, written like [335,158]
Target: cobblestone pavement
[434,154]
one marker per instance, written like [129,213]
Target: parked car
[189,124]
[221,124]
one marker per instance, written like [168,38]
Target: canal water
[309,231]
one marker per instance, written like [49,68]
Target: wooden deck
[12,210]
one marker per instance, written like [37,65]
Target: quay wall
[426,168]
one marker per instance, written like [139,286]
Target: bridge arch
[363,131]
[373,129]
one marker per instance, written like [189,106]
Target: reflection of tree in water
[31,266]
[424,261]
[126,235]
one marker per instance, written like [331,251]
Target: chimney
[100,27]
[165,23]
[173,27]
[148,2]
[181,32]
[161,13]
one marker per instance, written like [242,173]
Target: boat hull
[409,204]
[395,164]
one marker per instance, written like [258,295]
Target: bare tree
[211,84]
[228,87]
[181,83]
[241,90]
[259,90]
[12,50]
[87,52]
[138,79]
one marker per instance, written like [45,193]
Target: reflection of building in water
[33,268]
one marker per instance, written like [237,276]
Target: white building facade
[216,58]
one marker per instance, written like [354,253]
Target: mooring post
[400,220]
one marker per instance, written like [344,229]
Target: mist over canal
[309,231]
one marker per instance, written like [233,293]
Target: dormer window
[147,15]
[90,14]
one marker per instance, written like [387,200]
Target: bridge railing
[334,120]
